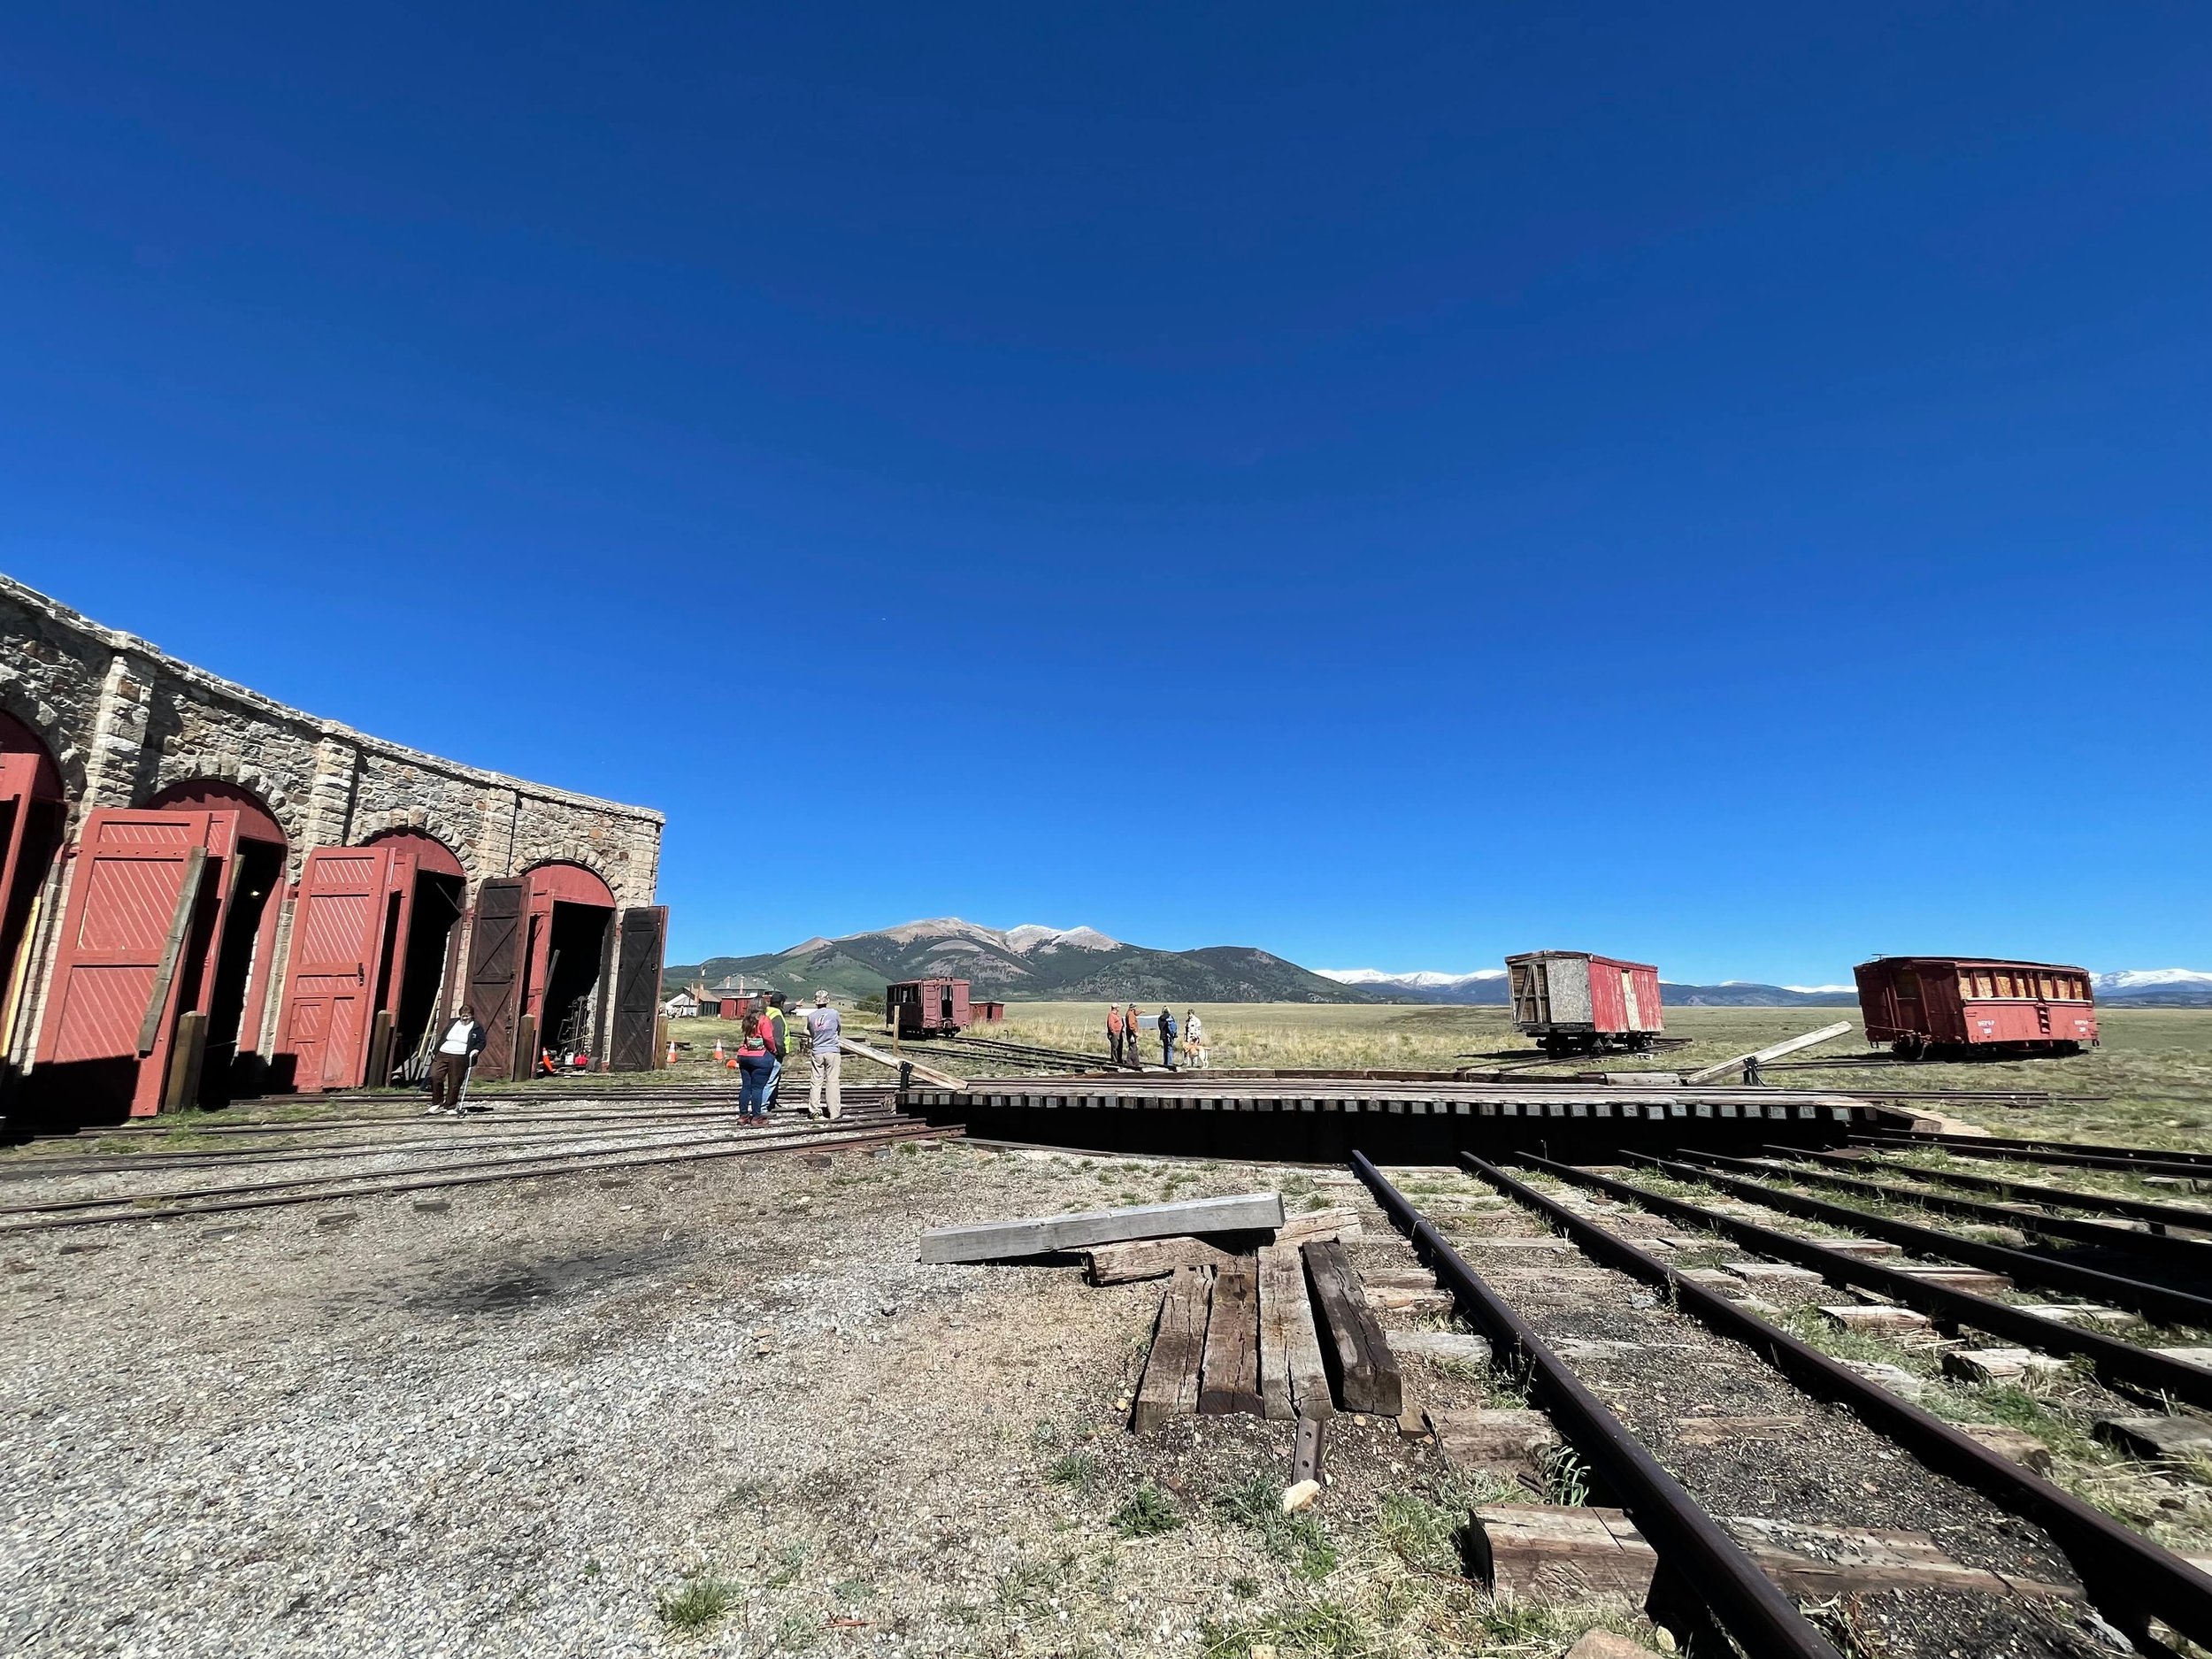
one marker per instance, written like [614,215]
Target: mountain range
[1029,964]
[1037,963]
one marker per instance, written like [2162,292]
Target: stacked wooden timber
[1262,1314]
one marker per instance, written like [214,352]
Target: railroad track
[122,1208]
[1577,1332]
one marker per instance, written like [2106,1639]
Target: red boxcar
[1573,1003]
[928,1008]
[1976,1004]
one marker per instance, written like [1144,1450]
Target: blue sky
[1394,484]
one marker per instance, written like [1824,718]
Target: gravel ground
[520,1418]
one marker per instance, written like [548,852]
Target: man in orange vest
[1113,1031]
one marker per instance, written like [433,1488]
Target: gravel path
[512,1419]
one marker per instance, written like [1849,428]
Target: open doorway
[415,967]
[229,982]
[33,817]
[570,938]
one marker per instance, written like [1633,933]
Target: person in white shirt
[450,1067]
[823,1027]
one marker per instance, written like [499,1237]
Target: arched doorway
[33,814]
[164,953]
[539,963]
[236,997]
[417,970]
[372,932]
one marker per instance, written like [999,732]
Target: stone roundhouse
[206,893]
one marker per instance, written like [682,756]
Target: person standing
[1113,1031]
[450,1067]
[757,1062]
[1194,1041]
[1167,1039]
[778,1033]
[823,1029]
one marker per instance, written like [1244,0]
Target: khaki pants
[826,1077]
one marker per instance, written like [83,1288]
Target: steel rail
[709,1105]
[2156,1154]
[585,1164]
[2156,1301]
[1971,1147]
[2114,1360]
[426,1137]
[2103,1203]
[108,1200]
[550,1145]
[1748,1604]
[2192,1254]
[2126,1578]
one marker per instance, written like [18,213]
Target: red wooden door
[337,933]
[495,962]
[131,925]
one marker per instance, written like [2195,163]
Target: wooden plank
[1759,1057]
[1170,1387]
[927,1074]
[1367,1376]
[1231,1379]
[1543,1552]
[1006,1240]
[1827,1561]
[1317,1226]
[1149,1258]
[1283,1307]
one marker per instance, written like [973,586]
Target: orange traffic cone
[671,1051]
[717,1048]
[731,1064]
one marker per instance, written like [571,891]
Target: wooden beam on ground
[1157,1258]
[1367,1376]
[927,1074]
[1231,1381]
[1759,1057]
[1170,1388]
[1282,1301]
[1007,1240]
[1149,1258]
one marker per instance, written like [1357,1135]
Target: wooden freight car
[1573,1003]
[1962,1006]
[928,1008]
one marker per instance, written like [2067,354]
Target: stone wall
[125,721]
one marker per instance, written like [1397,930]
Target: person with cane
[450,1067]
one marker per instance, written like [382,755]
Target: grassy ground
[2149,1084]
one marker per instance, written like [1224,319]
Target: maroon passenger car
[1976,1005]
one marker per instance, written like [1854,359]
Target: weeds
[1566,1477]
[1146,1513]
[1078,1470]
[699,1604]
[1298,1539]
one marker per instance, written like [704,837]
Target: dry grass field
[2150,1083]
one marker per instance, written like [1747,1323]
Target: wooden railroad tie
[1171,1385]
[1230,1378]
[1356,1351]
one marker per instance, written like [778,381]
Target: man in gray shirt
[822,1027]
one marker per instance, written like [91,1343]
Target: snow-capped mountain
[1424,981]
[1031,936]
[2154,987]
[2136,978]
